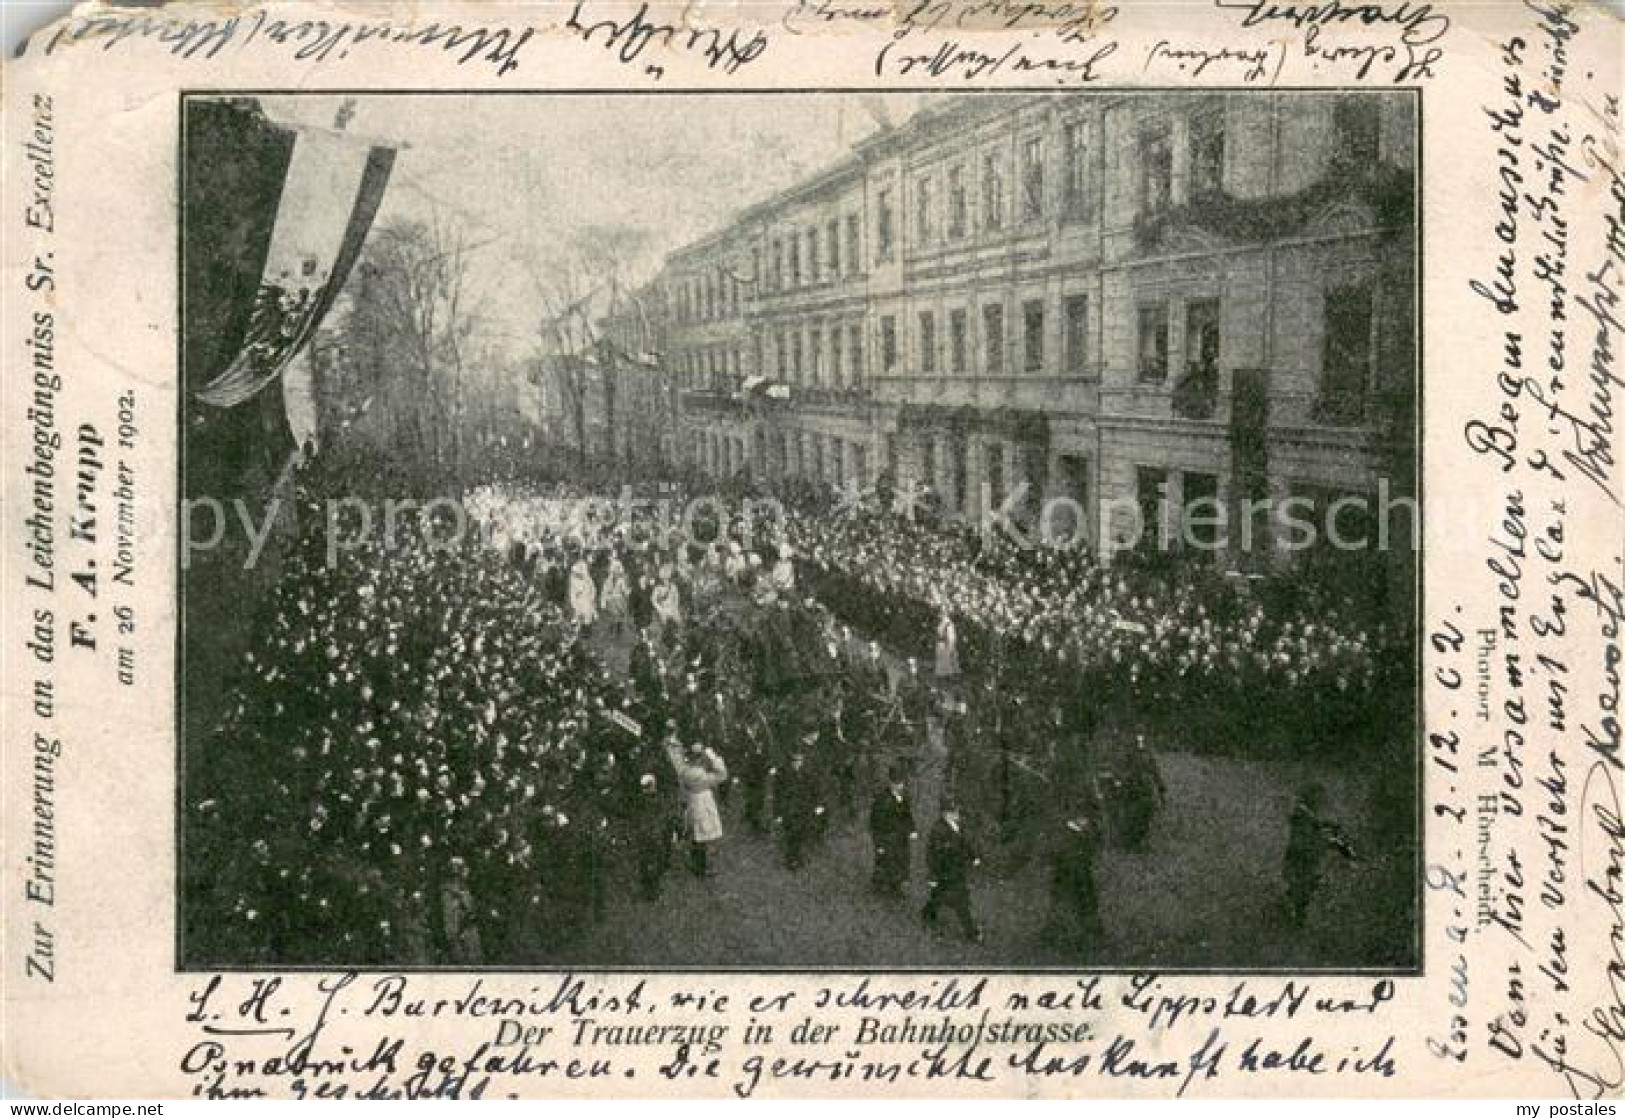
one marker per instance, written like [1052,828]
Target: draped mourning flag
[331,187]
[273,219]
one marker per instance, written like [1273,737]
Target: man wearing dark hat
[868,697]
[718,726]
[1075,913]
[643,666]
[949,858]
[773,655]
[756,765]
[640,600]
[1142,792]
[891,828]
[556,580]
[808,647]
[592,797]
[461,934]
[654,831]
[799,802]
[840,753]
[689,705]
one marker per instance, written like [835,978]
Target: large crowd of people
[1118,639]
[439,752]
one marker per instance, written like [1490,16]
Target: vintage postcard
[961,548]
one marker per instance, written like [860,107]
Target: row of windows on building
[948,346]
[834,250]
[1356,123]
[715,294]
[786,453]
[941,202]
[714,367]
[1204,138]
[829,356]
[1154,329]
[821,254]
[832,355]
[950,212]
[1348,345]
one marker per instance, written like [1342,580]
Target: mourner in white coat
[667,601]
[699,771]
[947,649]
[783,575]
[583,593]
[734,564]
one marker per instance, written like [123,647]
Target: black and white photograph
[799,531]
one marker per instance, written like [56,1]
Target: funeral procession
[791,531]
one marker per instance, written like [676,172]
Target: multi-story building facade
[1139,302]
